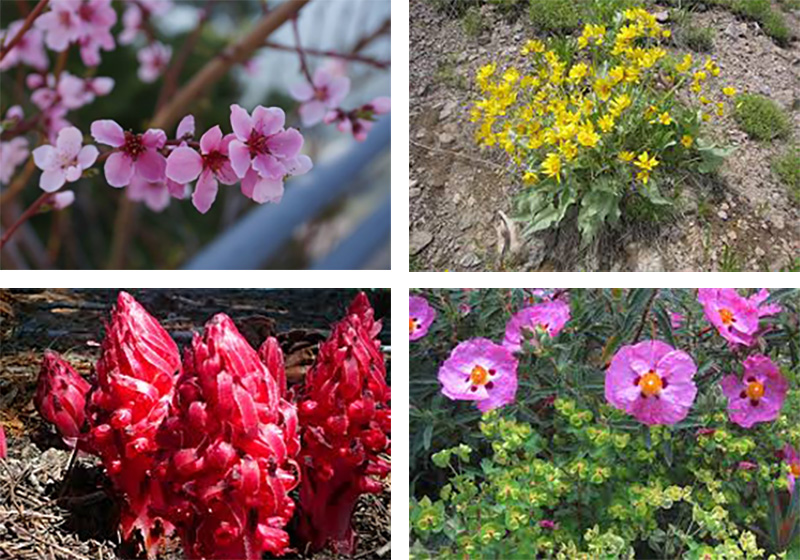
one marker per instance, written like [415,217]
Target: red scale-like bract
[230,448]
[135,382]
[345,414]
[61,396]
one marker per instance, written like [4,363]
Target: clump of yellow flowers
[597,120]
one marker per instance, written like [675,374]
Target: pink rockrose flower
[184,165]
[153,60]
[480,370]
[155,195]
[262,142]
[61,25]
[652,381]
[548,524]
[65,161]
[746,466]
[758,396]
[420,317]
[28,50]
[792,458]
[464,309]
[736,318]
[134,154]
[325,93]
[12,153]
[550,316]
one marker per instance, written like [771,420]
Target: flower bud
[61,397]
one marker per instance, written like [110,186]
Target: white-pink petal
[240,157]
[186,127]
[337,91]
[52,180]
[151,165]
[69,142]
[301,91]
[154,138]
[241,122]
[87,156]
[211,140]
[312,113]
[205,192]
[268,121]
[108,132]
[43,156]
[119,169]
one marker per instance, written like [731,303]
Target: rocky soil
[745,220]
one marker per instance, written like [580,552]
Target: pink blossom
[15,113]
[12,153]
[262,142]
[75,92]
[61,25]
[66,161]
[676,320]
[792,458]
[155,195]
[29,50]
[153,60]
[759,395]
[550,316]
[185,165]
[326,92]
[652,382]
[53,121]
[131,24]
[735,317]
[480,370]
[420,317]
[135,153]
[63,199]
[359,121]
[98,17]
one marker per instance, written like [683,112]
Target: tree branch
[382,64]
[24,29]
[32,210]
[301,53]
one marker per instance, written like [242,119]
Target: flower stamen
[651,384]
[479,376]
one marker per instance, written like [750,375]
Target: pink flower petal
[286,144]
[87,156]
[186,127]
[322,78]
[69,141]
[156,197]
[312,112]
[184,165]
[73,173]
[154,138]
[210,141]
[337,91]
[269,167]
[43,156]
[301,91]
[226,175]
[108,132]
[298,166]
[151,165]
[381,105]
[52,180]
[205,192]
[268,121]
[63,199]
[268,190]
[240,157]
[241,122]
[119,169]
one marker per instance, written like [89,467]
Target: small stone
[760,252]
[661,17]
[446,138]
[418,240]
[723,215]
[732,235]
[414,192]
[470,260]
[447,110]
[413,183]
[724,206]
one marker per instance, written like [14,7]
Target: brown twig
[171,76]
[382,64]
[300,52]
[24,29]
[19,183]
[362,43]
[31,211]
[644,316]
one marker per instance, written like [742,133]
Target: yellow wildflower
[687,141]
[645,162]
[602,89]
[552,166]
[533,46]
[665,118]
[684,66]
[729,91]
[626,156]
[568,149]
[643,176]
[666,34]
[578,72]
[606,123]
[511,76]
[720,109]
[587,136]
[619,104]
[530,178]
[616,74]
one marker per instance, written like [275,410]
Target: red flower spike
[61,395]
[345,414]
[272,356]
[136,377]
[230,449]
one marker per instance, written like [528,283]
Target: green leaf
[599,205]
[427,435]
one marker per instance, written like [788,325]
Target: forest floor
[44,515]
[745,220]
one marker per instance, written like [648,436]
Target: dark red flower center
[133,145]
[214,160]
[257,144]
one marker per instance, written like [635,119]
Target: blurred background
[337,216]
